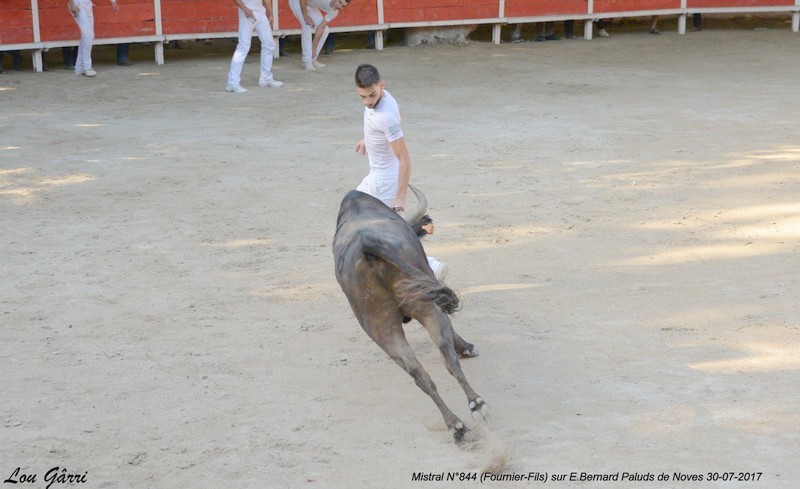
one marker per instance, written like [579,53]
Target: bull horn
[422,206]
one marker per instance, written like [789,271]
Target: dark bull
[384,273]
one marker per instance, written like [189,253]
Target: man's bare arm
[403,171]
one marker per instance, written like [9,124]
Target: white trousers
[306,31]
[85,21]
[246,27]
[380,184]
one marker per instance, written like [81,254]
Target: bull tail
[420,287]
[412,291]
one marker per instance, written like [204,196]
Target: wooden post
[159,45]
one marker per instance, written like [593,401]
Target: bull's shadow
[382,269]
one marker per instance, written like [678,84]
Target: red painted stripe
[16,35]
[437,10]
[633,5]
[524,8]
[738,3]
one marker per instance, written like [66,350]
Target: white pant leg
[381,185]
[246,27]
[321,43]
[85,21]
[306,31]
[367,186]
[264,32]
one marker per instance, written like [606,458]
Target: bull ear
[422,206]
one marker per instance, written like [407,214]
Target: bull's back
[359,211]
[355,240]
[362,215]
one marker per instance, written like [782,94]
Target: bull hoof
[480,410]
[459,432]
[469,352]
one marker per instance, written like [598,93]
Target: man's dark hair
[367,76]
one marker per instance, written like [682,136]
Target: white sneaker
[439,269]
[317,64]
[90,73]
[269,83]
[236,89]
[309,66]
[602,33]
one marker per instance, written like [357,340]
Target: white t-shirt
[324,5]
[381,127]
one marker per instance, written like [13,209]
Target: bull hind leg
[449,343]
[464,348]
[393,341]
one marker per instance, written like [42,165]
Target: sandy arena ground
[621,219]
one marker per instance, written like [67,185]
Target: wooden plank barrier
[738,4]
[526,8]
[198,17]
[622,6]
[135,18]
[359,14]
[400,13]
[16,19]
[39,24]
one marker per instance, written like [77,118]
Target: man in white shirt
[385,147]
[383,143]
[310,15]
[253,15]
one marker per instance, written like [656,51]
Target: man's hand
[73,8]
[399,205]
[114,5]
[361,148]
[309,20]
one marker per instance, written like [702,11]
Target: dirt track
[621,219]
